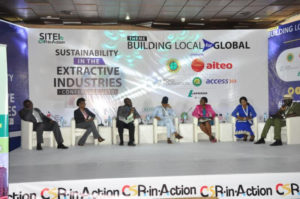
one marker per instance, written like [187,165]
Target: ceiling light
[182,19]
[127,17]
[202,19]
[71,22]
[196,24]
[50,18]
[257,18]
[161,23]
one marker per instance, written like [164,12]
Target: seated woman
[205,115]
[165,114]
[84,119]
[244,114]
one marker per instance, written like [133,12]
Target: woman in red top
[205,115]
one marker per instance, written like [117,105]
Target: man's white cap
[287,96]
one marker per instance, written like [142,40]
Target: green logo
[173,65]
[197,81]
[290,57]
[190,93]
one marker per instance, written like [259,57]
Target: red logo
[198,65]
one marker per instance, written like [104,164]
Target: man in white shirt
[41,123]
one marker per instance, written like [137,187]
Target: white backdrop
[144,74]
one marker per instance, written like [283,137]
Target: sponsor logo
[197,81]
[51,38]
[298,74]
[290,57]
[221,81]
[195,94]
[173,65]
[198,65]
[292,90]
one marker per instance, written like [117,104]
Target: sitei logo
[198,65]
[173,65]
[197,81]
[51,38]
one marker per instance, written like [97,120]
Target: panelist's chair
[115,132]
[199,134]
[161,131]
[293,130]
[254,128]
[28,136]
[78,132]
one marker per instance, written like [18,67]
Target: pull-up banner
[3,123]
[284,64]
[106,66]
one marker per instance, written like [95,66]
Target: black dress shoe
[100,139]
[260,141]
[121,143]
[39,147]
[80,144]
[276,143]
[131,144]
[61,146]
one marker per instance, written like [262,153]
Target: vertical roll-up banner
[3,123]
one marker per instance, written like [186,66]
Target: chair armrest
[293,130]
[26,134]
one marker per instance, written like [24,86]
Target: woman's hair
[204,98]
[244,98]
[80,100]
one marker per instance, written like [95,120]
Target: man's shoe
[61,146]
[260,141]
[121,143]
[276,143]
[100,139]
[252,138]
[131,144]
[213,139]
[39,147]
[178,136]
[245,138]
[80,144]
[169,141]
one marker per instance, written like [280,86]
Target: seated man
[41,123]
[288,109]
[84,119]
[165,114]
[125,119]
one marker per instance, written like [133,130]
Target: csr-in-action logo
[197,81]
[173,65]
[198,65]
[51,38]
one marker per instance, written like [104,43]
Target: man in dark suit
[84,119]
[41,123]
[125,119]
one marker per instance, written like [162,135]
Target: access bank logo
[220,81]
[198,65]
[50,38]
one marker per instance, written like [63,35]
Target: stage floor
[107,161]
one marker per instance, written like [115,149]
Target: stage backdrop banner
[106,66]
[3,123]
[254,186]
[284,64]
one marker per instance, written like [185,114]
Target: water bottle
[220,117]
[265,116]
[109,121]
[227,117]
[148,118]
